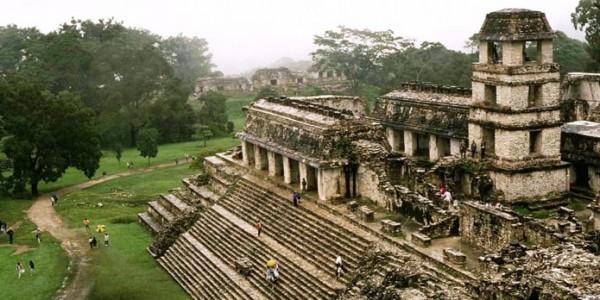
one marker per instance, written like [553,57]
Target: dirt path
[74,242]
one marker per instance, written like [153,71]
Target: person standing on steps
[10,233]
[38,235]
[258,227]
[339,269]
[31,267]
[473,149]
[482,149]
[20,269]
[304,184]
[106,239]
[86,222]
[295,198]
[463,149]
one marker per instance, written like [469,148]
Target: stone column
[455,147]
[433,148]
[271,163]
[287,176]
[328,182]
[258,163]
[247,156]
[410,145]
[303,168]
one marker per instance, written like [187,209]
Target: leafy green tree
[472,44]
[571,54]
[359,54]
[171,115]
[212,112]
[14,44]
[587,18]
[148,143]
[46,134]
[118,150]
[265,92]
[188,56]
[203,133]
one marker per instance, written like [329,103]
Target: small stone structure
[277,77]
[221,84]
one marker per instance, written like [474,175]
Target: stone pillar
[257,158]
[393,138]
[410,145]
[328,182]
[303,168]
[271,164]
[433,148]
[287,176]
[512,53]
[483,52]
[455,147]
[245,153]
[545,52]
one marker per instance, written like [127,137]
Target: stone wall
[580,97]
[353,104]
[487,227]
[533,184]
[217,84]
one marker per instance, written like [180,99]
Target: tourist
[482,149]
[442,190]
[38,235]
[339,271]
[106,239]
[258,227]
[295,198]
[86,222]
[463,149]
[31,267]
[20,269]
[94,242]
[304,186]
[447,198]
[176,161]
[473,149]
[52,200]
[91,241]
[10,233]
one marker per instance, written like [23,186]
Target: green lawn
[124,270]
[50,260]
[166,154]
[234,109]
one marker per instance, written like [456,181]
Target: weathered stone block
[366,214]
[454,256]
[565,212]
[390,226]
[243,266]
[420,240]
[352,206]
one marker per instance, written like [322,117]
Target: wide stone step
[297,240]
[173,204]
[145,219]
[203,191]
[181,277]
[160,210]
[310,229]
[259,254]
[301,216]
[311,217]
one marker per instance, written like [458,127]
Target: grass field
[50,260]
[124,270]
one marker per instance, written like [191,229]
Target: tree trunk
[132,135]
[34,187]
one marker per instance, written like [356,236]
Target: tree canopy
[587,18]
[46,133]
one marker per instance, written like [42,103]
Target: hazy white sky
[243,34]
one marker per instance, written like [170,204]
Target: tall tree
[571,54]
[213,113]
[587,18]
[188,56]
[46,134]
[359,54]
[148,143]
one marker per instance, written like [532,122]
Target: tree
[571,54]
[189,57]
[265,92]
[213,112]
[148,143]
[359,54]
[46,134]
[472,43]
[203,133]
[118,150]
[587,18]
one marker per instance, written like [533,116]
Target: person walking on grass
[106,239]
[20,269]
[10,233]
[38,235]
[258,227]
[86,222]
[31,267]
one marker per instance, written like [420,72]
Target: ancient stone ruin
[441,193]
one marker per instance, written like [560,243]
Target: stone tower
[515,107]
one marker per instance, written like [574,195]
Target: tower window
[530,51]
[535,142]
[489,94]
[534,97]
[495,52]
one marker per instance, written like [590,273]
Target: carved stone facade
[222,84]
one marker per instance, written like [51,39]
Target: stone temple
[518,155]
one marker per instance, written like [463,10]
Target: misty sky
[243,34]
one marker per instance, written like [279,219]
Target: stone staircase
[305,240]
[298,229]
